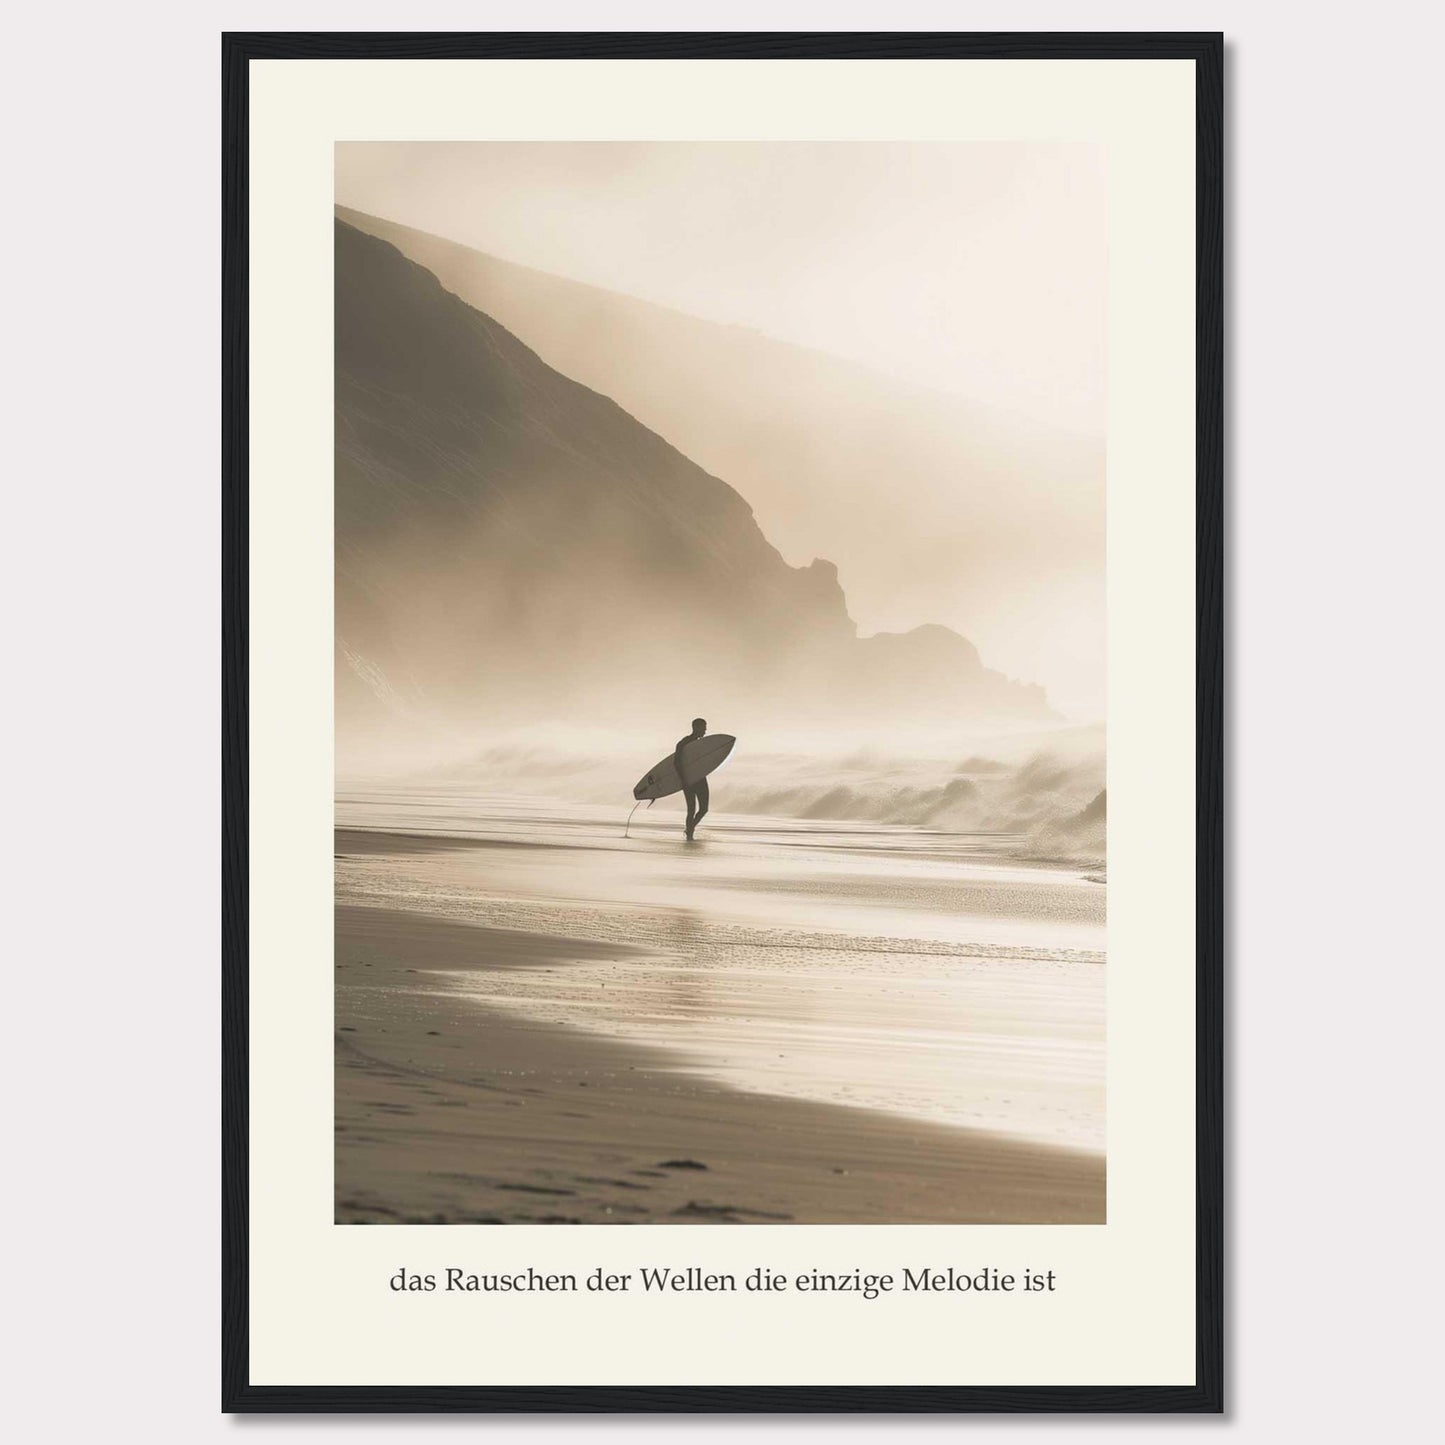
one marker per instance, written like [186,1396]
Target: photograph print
[720,797]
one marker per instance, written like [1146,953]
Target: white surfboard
[699,758]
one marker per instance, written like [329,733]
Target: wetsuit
[695,793]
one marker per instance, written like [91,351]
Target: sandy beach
[541,1021]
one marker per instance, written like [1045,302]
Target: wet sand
[511,1048]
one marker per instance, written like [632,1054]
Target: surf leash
[635,807]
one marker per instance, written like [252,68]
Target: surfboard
[699,758]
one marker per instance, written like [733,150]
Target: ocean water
[920,972]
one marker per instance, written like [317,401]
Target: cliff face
[511,545]
[837,460]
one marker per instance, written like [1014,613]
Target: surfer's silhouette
[695,793]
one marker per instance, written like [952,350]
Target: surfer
[695,793]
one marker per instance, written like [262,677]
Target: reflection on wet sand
[923,979]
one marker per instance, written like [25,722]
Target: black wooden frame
[1206,1393]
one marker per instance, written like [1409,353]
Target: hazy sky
[977,268]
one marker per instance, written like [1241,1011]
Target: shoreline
[449,1110]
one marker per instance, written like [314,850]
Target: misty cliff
[995,523]
[512,545]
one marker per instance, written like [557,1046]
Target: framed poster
[723,722]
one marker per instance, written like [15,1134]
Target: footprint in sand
[730,1213]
